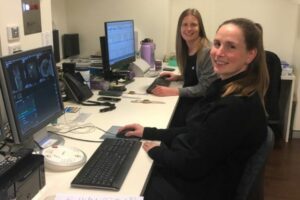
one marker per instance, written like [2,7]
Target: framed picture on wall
[31,16]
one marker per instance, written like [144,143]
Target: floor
[282,175]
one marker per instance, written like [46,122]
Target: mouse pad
[111,132]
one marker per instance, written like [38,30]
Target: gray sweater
[205,74]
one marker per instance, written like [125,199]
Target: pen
[101,103]
[107,109]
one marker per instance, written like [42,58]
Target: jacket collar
[216,88]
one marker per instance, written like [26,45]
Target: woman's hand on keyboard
[132,130]
[163,91]
[148,145]
[170,76]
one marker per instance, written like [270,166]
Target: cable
[73,129]
[104,130]
[73,138]
[80,127]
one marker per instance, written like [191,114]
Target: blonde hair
[181,46]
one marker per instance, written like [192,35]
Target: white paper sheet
[95,197]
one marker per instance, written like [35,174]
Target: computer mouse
[121,134]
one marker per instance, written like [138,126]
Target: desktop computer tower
[106,69]
[70,44]
[24,180]
[56,50]
[103,50]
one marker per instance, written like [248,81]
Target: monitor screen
[120,43]
[30,89]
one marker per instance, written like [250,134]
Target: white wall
[11,14]
[87,18]
[158,19]
[273,15]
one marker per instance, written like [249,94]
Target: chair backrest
[251,184]
[273,92]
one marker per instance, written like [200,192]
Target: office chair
[251,184]
[273,94]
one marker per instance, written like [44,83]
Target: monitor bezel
[120,64]
[3,118]
[2,133]
[10,108]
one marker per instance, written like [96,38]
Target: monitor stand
[139,67]
[46,139]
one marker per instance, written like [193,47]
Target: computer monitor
[31,93]
[71,48]
[119,46]
[2,138]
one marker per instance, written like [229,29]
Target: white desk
[286,102]
[157,115]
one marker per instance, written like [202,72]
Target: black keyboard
[7,162]
[109,165]
[158,81]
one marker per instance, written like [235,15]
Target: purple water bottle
[147,51]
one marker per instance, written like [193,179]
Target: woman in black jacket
[206,158]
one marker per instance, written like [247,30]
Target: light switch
[13,33]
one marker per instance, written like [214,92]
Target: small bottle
[147,52]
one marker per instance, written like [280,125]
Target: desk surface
[288,77]
[155,115]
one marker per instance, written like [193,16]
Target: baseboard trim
[296,134]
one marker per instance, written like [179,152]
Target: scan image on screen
[31,92]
